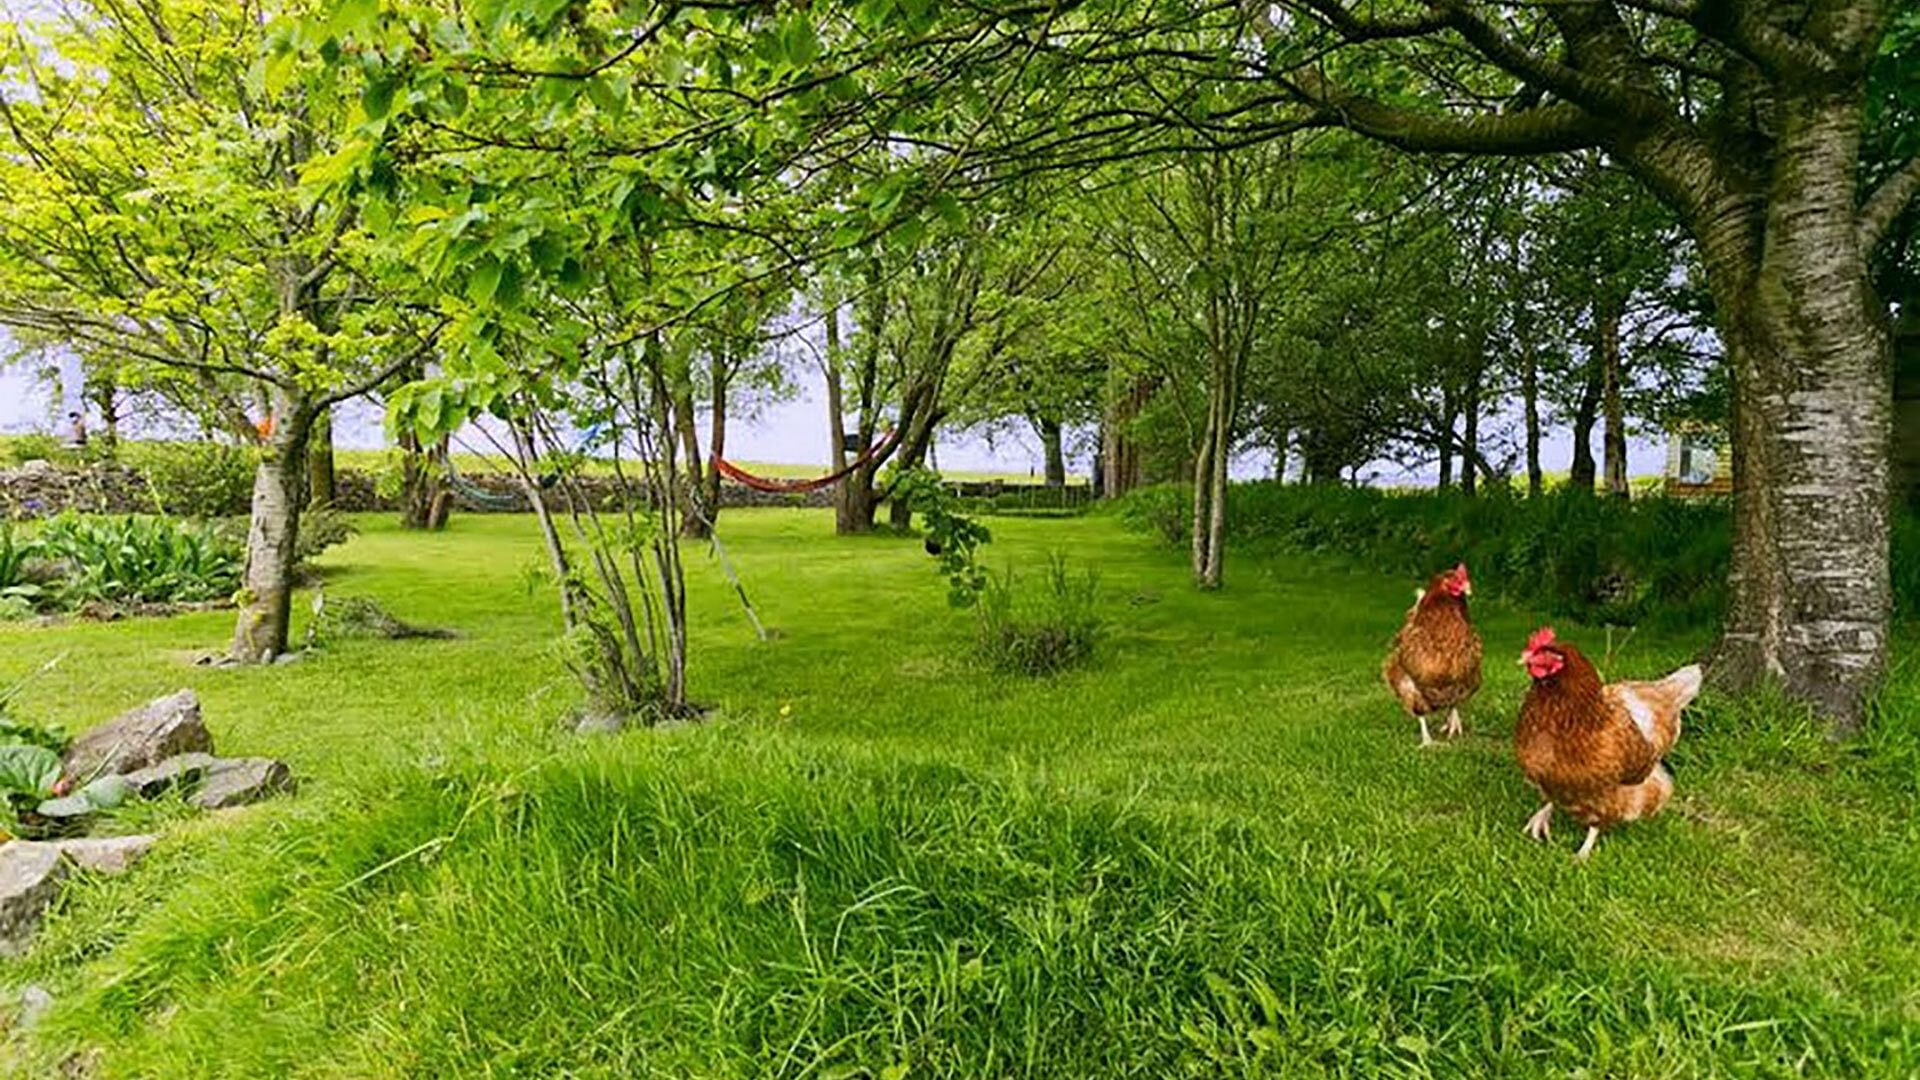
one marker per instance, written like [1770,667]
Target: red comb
[1541,637]
[1461,569]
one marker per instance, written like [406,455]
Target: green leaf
[484,282]
[29,770]
[377,98]
[351,16]
[280,68]
[107,792]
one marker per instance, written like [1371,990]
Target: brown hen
[1594,749]
[1434,664]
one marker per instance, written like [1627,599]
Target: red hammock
[763,483]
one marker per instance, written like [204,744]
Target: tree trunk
[836,413]
[1614,436]
[1446,439]
[1051,440]
[100,388]
[1581,476]
[1280,455]
[425,500]
[1809,348]
[1210,484]
[1119,453]
[273,532]
[1470,463]
[320,486]
[716,448]
[1530,397]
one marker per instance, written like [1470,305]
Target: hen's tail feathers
[1680,688]
[1685,685]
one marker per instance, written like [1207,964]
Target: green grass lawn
[1218,851]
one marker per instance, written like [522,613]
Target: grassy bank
[1215,852]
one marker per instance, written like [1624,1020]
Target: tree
[155,214]
[1747,120]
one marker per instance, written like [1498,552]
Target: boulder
[239,781]
[180,770]
[145,736]
[105,854]
[31,876]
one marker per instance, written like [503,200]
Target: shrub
[202,480]
[1038,632]
[139,560]
[1598,559]
[321,529]
[36,446]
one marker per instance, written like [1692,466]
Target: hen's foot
[1454,728]
[1540,825]
[1586,849]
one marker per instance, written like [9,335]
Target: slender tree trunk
[1210,480]
[320,485]
[1280,455]
[717,445]
[1530,397]
[859,500]
[679,413]
[1470,462]
[1808,343]
[425,500]
[103,391]
[1614,436]
[1119,453]
[1446,439]
[1051,440]
[273,532]
[836,412]
[1581,476]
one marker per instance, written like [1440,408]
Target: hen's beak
[1466,588]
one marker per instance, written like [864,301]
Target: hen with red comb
[1434,663]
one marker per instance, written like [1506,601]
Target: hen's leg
[1426,737]
[1586,849]
[1540,825]
[1453,728]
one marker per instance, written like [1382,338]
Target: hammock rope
[781,487]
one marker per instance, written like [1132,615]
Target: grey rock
[105,854]
[594,723]
[289,658]
[183,770]
[141,737]
[35,1002]
[66,813]
[31,876]
[239,781]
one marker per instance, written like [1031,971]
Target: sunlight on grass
[1216,851]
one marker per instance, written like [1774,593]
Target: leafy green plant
[1044,630]
[202,480]
[35,446]
[139,560]
[951,536]
[321,529]
[17,550]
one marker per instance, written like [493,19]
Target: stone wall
[40,489]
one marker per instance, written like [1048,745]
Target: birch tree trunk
[273,532]
[1811,360]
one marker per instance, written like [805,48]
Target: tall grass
[1602,560]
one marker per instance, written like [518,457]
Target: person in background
[76,431]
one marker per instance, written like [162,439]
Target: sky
[794,432]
